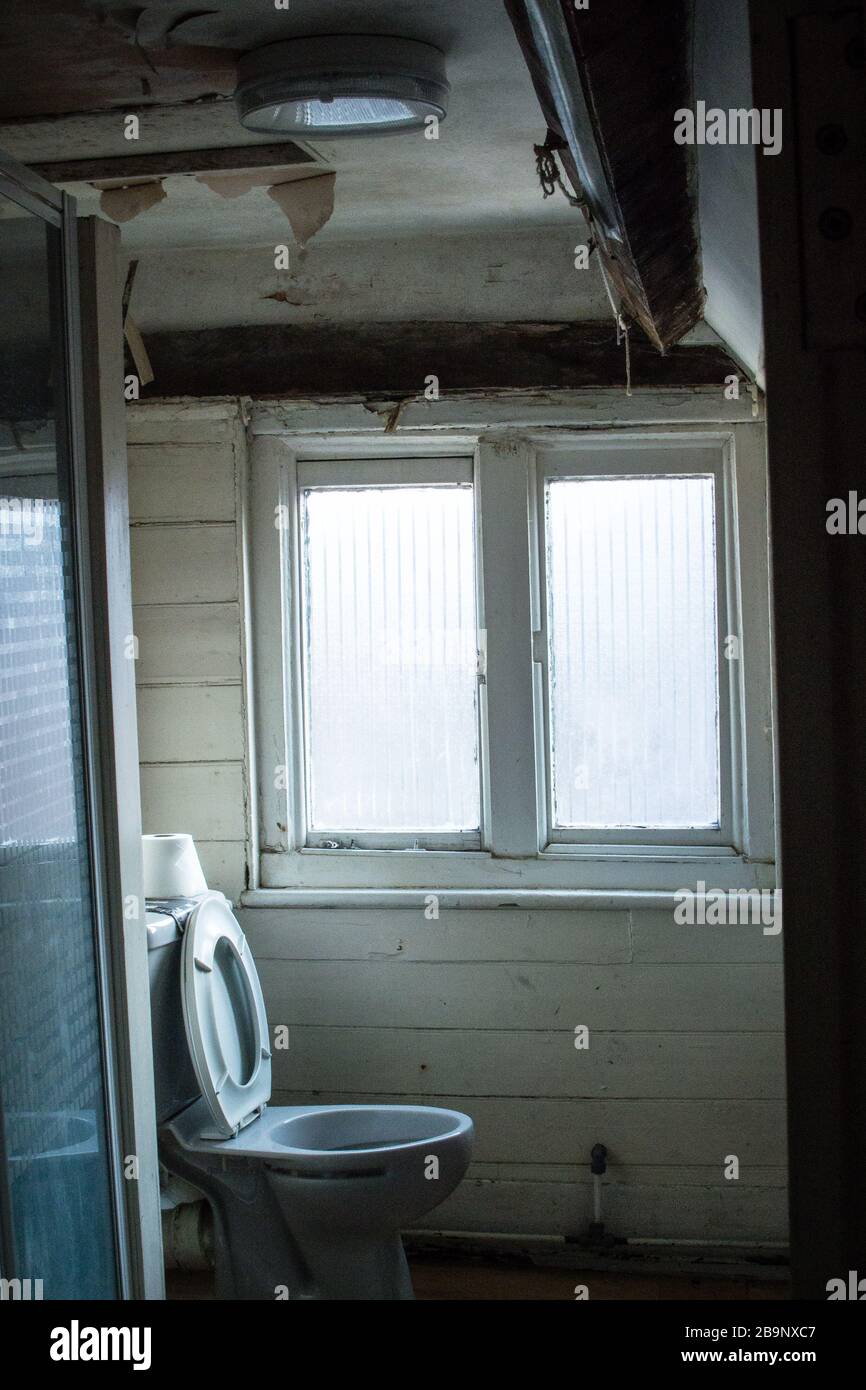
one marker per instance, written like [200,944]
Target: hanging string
[550,178]
[549,175]
[625,333]
[622,331]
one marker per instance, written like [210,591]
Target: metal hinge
[539,646]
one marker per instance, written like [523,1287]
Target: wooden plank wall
[477,1010]
[184,478]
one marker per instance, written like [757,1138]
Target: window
[390,664]
[529,668]
[633,695]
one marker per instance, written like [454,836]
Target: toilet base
[365,1271]
[257,1257]
[254,1255]
[260,1259]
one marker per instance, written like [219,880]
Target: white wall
[728,185]
[477,1010]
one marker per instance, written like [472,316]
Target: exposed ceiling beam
[125,168]
[609,79]
[274,360]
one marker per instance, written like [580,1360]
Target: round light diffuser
[356,84]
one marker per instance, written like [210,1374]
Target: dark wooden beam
[396,358]
[234,160]
[609,79]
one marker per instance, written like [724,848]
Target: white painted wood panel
[709,1213]
[158,423]
[184,564]
[479,1062]
[646,1175]
[190,723]
[181,482]
[225,865]
[667,1132]
[187,642]
[630,998]
[506,934]
[205,800]
[594,936]
[657,938]
[595,408]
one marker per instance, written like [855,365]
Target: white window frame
[679,456]
[360,473]
[518,854]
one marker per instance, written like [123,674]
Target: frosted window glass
[390,657]
[634,682]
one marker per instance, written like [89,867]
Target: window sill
[465,898]
[406,878]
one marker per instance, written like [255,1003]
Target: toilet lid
[224,1015]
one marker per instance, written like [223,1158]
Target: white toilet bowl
[308,1201]
[408,1158]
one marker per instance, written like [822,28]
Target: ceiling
[478,177]
[454,229]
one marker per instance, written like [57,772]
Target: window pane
[634,683]
[390,659]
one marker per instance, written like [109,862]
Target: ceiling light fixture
[356,84]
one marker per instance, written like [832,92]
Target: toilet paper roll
[171,867]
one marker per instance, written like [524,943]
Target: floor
[448,1279]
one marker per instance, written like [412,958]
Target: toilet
[308,1200]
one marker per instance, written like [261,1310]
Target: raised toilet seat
[308,1200]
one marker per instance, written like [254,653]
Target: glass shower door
[59,1171]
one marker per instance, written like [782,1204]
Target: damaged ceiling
[480,173]
[386,229]
[60,56]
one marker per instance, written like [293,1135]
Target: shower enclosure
[64,1212]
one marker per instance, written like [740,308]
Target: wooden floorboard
[448,1280]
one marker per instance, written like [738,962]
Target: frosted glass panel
[390,659]
[634,685]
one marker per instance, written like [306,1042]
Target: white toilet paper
[171,867]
